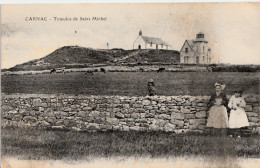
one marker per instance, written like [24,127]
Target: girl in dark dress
[217,114]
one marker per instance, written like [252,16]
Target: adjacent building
[144,42]
[196,51]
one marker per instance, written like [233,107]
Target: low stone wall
[122,68]
[160,113]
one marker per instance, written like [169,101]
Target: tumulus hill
[80,57]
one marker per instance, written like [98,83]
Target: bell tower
[140,33]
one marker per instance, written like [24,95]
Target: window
[186,50]
[151,44]
[203,49]
[186,59]
[203,58]
[162,45]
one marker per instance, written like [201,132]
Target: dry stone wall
[88,113]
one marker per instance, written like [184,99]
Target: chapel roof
[154,40]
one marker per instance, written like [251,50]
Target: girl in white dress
[238,118]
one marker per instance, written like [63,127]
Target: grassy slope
[130,83]
[50,144]
[165,56]
[74,56]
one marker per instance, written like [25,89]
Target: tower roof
[200,37]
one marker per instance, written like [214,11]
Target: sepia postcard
[130,85]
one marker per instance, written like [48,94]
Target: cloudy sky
[232,29]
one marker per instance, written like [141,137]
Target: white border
[111,1]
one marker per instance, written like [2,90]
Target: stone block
[126,106]
[63,114]
[51,120]
[253,119]
[200,114]
[251,114]
[192,127]
[178,116]
[202,104]
[36,102]
[248,108]
[70,123]
[161,122]
[169,127]
[179,123]
[164,116]
[185,110]
[197,121]
[148,115]
[94,114]
[106,127]
[67,109]
[125,128]
[81,114]
[153,102]
[44,123]
[98,120]
[87,108]
[119,115]
[153,127]
[29,118]
[135,128]
[200,121]
[60,127]
[12,112]
[256,109]
[201,127]
[189,116]
[75,129]
[135,115]
[251,99]
[93,126]
[146,102]
[179,131]
[112,121]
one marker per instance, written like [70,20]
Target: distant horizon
[232,29]
[127,49]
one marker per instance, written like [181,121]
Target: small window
[203,49]
[186,50]
[162,45]
[186,59]
[151,44]
[203,58]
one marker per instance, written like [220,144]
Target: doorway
[139,47]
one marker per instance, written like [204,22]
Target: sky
[232,29]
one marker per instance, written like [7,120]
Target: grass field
[130,83]
[50,144]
